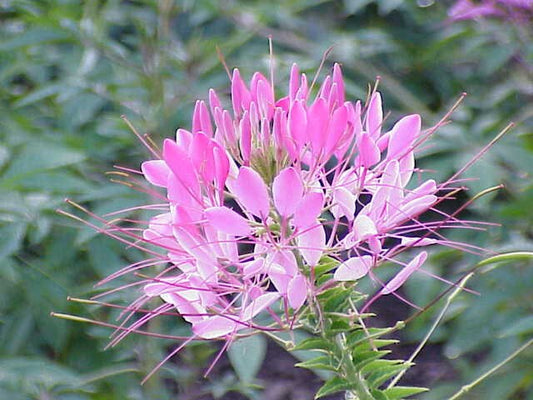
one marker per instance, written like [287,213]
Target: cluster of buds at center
[258,197]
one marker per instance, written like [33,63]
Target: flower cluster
[259,197]
[468,9]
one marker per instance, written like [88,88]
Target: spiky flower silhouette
[255,200]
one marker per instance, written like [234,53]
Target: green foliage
[350,349]
[70,68]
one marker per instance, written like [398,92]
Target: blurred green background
[69,69]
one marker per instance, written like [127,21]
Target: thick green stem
[350,373]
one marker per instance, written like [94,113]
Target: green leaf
[322,362]
[400,392]
[505,259]
[326,264]
[247,355]
[37,157]
[32,37]
[522,326]
[42,93]
[313,344]
[334,385]
[381,375]
[378,364]
[11,237]
[36,372]
[335,299]
[362,358]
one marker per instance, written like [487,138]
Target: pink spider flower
[468,9]
[255,197]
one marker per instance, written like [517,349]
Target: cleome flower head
[257,198]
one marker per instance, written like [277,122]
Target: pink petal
[297,292]
[286,260]
[311,243]
[298,124]
[202,156]
[201,121]
[428,187]
[264,95]
[287,191]
[417,206]
[344,203]
[245,141]
[221,164]
[403,134]
[191,310]
[353,268]
[325,88]
[308,210]
[226,220]
[294,82]
[407,167]
[164,285]
[339,82]
[374,116]
[183,139]
[180,164]
[214,102]
[279,277]
[258,305]
[404,274]
[337,126]
[214,327]
[254,267]
[417,242]
[240,95]
[156,172]
[252,192]
[369,153]
[364,227]
[318,117]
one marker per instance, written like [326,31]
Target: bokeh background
[70,68]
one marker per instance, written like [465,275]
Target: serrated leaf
[334,385]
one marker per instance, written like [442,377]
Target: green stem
[466,388]
[344,355]
[449,300]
